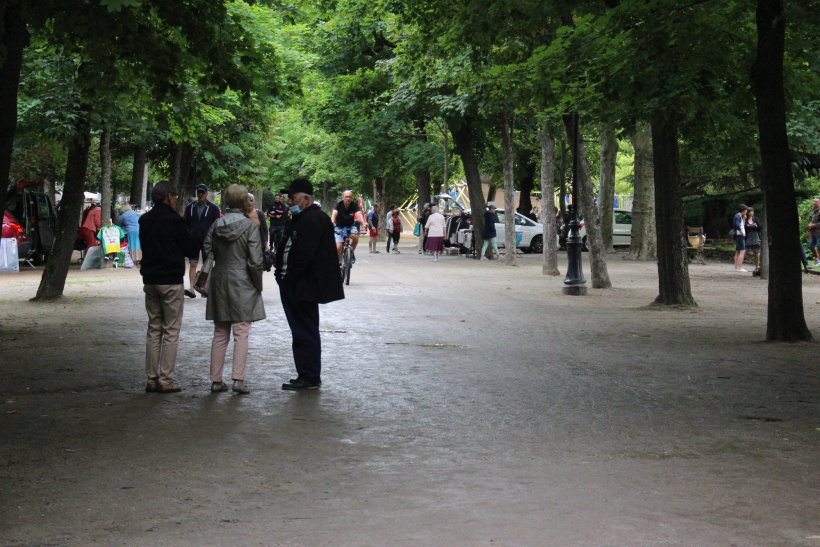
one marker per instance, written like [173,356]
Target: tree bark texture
[14,40]
[550,264]
[464,141]
[644,244]
[105,179]
[423,188]
[673,268]
[52,283]
[137,175]
[786,320]
[380,197]
[181,158]
[597,257]
[509,189]
[606,186]
[526,186]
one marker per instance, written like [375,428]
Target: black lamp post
[574,282]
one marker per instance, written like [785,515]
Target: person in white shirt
[434,230]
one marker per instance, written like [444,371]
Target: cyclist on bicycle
[345,215]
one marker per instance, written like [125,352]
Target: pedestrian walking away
[129,221]
[307,274]
[165,242]
[199,215]
[277,217]
[489,234]
[435,233]
[235,294]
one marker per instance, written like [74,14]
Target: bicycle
[347,256]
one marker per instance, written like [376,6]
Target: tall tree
[644,239]
[548,212]
[785,319]
[606,186]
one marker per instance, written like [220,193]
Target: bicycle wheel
[346,265]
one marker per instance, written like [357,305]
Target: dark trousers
[303,319]
[389,240]
[276,233]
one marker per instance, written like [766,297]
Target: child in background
[110,236]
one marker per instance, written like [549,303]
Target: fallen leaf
[68,450]
[463,320]
[107,404]
[12,412]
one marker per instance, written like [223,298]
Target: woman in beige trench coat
[235,294]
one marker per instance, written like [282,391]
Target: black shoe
[294,380]
[300,384]
[352,257]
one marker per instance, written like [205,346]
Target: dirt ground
[464,403]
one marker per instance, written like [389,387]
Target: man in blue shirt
[199,215]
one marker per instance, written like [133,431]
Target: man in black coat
[307,271]
[199,215]
[165,243]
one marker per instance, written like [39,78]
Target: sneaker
[396,252]
[189,293]
[420,252]
[806,268]
[218,387]
[742,270]
[816,263]
[484,258]
[168,388]
[300,385]
[239,387]
[152,386]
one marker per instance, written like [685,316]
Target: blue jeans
[814,240]
[740,243]
[303,319]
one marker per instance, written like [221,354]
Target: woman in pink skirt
[434,230]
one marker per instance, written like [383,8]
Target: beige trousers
[219,346]
[164,306]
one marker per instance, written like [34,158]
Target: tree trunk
[105,178]
[786,321]
[606,187]
[644,244]
[550,265]
[527,185]
[181,159]
[463,139]
[423,188]
[52,283]
[509,189]
[14,40]
[673,267]
[137,175]
[491,189]
[380,197]
[597,257]
[437,183]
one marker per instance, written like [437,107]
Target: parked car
[621,229]
[532,233]
[31,220]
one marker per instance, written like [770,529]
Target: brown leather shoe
[152,387]
[168,388]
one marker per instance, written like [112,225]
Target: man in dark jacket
[278,216]
[199,215]
[307,271]
[165,243]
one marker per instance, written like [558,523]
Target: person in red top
[396,233]
[90,226]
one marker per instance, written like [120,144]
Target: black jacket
[278,214]
[198,227]
[165,243]
[313,263]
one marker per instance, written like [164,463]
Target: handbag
[202,284]
[732,232]
[417,230]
